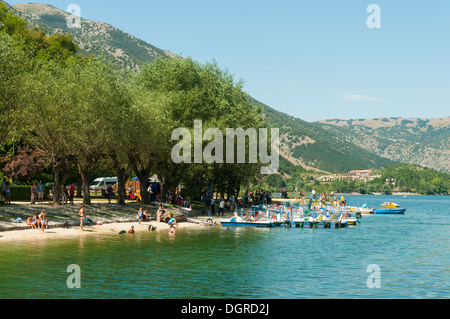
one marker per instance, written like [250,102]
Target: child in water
[172,223]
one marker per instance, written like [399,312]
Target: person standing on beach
[82,217]
[3,190]
[161,211]
[41,189]
[140,215]
[65,195]
[208,205]
[110,193]
[222,207]
[213,206]
[34,193]
[72,193]
[44,221]
[8,195]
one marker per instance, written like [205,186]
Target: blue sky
[314,60]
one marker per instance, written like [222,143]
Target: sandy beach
[114,219]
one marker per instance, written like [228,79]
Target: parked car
[102,183]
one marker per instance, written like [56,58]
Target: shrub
[23,192]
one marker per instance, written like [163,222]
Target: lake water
[411,251]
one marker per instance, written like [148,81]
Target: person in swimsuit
[172,223]
[140,215]
[31,222]
[82,217]
[36,220]
[146,215]
[44,221]
[160,212]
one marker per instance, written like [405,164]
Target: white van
[102,183]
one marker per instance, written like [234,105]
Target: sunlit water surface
[412,252]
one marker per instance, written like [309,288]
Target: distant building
[390,181]
[356,175]
[367,172]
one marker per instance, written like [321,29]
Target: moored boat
[239,222]
[389,211]
[390,205]
[366,211]
[363,210]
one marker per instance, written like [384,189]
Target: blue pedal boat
[389,211]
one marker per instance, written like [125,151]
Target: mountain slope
[309,146]
[416,141]
[97,38]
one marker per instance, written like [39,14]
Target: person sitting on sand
[131,231]
[160,212]
[147,216]
[37,221]
[31,222]
[135,197]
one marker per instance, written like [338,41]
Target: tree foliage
[81,112]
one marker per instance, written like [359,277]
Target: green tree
[386,189]
[100,102]
[439,186]
[177,93]
[49,118]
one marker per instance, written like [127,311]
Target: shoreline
[14,236]
[114,218]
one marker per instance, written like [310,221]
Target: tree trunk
[60,170]
[143,187]
[143,173]
[162,190]
[86,166]
[79,187]
[122,178]
[86,178]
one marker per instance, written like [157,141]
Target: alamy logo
[374,280]
[74,280]
[74,20]
[214,151]
[374,20]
